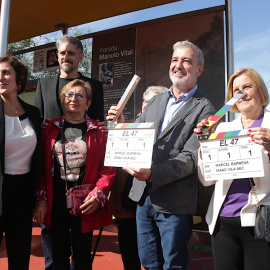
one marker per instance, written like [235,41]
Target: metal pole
[4,25]
[229,43]
[63,27]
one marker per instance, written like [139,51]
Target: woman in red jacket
[84,150]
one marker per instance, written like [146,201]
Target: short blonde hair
[75,83]
[256,78]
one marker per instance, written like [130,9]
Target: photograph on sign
[106,73]
[51,58]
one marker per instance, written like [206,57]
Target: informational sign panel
[155,47]
[130,145]
[113,63]
[146,50]
[38,63]
[230,155]
[45,59]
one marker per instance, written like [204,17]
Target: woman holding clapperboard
[232,210]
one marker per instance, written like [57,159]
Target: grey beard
[67,69]
[175,82]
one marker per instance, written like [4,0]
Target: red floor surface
[107,256]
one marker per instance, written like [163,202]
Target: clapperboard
[129,144]
[231,154]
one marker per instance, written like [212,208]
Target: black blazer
[174,181]
[46,99]
[34,116]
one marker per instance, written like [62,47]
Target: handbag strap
[63,139]
[254,193]
[58,96]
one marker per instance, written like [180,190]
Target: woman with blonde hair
[232,210]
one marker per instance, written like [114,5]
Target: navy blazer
[46,99]
[174,181]
[34,116]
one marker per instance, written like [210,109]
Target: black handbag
[262,221]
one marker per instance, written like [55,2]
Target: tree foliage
[28,58]
[85,66]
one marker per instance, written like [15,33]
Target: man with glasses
[47,99]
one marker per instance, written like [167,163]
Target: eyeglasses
[78,96]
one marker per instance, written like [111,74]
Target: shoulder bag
[262,221]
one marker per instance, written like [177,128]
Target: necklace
[14,110]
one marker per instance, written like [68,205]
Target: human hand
[139,173]
[40,211]
[45,123]
[102,126]
[112,112]
[204,122]
[260,136]
[90,205]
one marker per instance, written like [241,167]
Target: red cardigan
[96,172]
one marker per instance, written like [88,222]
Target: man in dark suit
[47,99]
[70,55]
[165,212]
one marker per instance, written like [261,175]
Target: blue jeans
[47,249]
[162,238]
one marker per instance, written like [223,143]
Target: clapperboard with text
[230,154]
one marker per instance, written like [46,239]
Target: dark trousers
[47,247]
[65,233]
[16,220]
[235,247]
[127,238]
